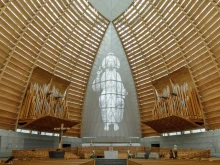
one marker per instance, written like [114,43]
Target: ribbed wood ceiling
[160,37]
[63,37]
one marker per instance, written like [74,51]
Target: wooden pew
[40,154]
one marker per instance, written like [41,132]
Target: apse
[111,107]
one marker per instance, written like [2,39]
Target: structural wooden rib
[62,37]
[169,35]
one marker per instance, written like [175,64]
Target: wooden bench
[39,154]
[214,159]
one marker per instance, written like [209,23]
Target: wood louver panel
[61,37]
[159,37]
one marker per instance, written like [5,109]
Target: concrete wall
[204,140]
[10,140]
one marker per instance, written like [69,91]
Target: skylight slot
[28,43]
[58,37]
[55,12]
[128,10]
[144,7]
[76,34]
[24,10]
[192,6]
[158,22]
[74,42]
[46,18]
[183,36]
[130,14]
[89,47]
[40,25]
[58,5]
[73,15]
[164,2]
[205,16]
[8,33]
[85,25]
[209,21]
[169,11]
[78,7]
[143,29]
[61,74]
[199,7]
[19,13]
[177,65]
[91,14]
[193,46]
[137,70]
[142,72]
[51,46]
[134,17]
[147,94]
[167,43]
[52,39]
[174,49]
[30,7]
[149,9]
[28,54]
[8,16]
[36,36]
[201,11]
[50,17]
[171,16]
[196,56]
[162,75]
[34,5]
[216,37]
[143,37]
[22,57]
[80,2]
[178,20]
[67,53]
[92,21]
[166,8]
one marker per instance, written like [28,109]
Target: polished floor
[141,162]
[174,162]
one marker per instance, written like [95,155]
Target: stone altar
[110,154]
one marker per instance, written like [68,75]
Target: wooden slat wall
[159,37]
[61,37]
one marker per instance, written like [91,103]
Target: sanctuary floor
[142,162]
[175,162]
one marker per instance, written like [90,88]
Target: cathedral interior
[110,73]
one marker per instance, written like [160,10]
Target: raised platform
[110,161]
[46,123]
[172,124]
